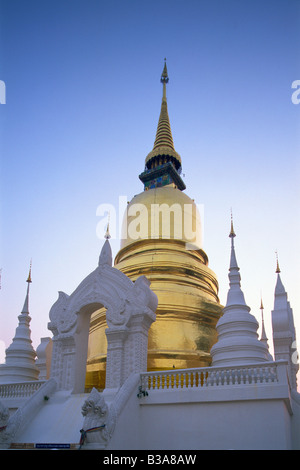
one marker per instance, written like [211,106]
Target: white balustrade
[20,390]
[211,377]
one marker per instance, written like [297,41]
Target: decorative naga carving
[101,418]
[99,421]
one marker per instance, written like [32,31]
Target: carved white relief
[57,315]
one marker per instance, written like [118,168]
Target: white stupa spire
[284,333]
[238,342]
[263,331]
[263,337]
[20,356]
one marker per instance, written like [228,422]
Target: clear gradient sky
[82,104]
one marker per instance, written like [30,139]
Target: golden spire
[232,233]
[277,264]
[163,144]
[29,275]
[261,304]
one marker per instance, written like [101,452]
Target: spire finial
[164,76]
[277,264]
[261,305]
[29,275]
[164,79]
[232,233]
[107,234]
[264,338]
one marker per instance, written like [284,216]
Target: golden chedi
[161,239]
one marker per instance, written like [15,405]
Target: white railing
[20,390]
[267,372]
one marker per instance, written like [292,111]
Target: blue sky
[82,104]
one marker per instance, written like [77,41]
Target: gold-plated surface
[162,213]
[187,289]
[97,350]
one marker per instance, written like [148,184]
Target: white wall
[239,425]
[175,423]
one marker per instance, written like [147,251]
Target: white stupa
[19,363]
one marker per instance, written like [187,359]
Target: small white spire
[26,303]
[263,331]
[238,342]
[263,337]
[235,295]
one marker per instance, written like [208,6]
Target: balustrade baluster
[264,378]
[168,381]
[153,382]
[201,379]
[235,381]
[189,380]
[177,379]
[192,379]
[156,381]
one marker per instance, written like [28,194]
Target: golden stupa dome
[162,213]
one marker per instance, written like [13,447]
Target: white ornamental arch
[126,303]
